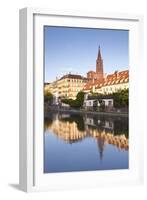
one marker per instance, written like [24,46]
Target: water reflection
[73,128]
[104,130]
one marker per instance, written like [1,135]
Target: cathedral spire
[99,54]
[99,66]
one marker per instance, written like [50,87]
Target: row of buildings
[96,81]
[67,86]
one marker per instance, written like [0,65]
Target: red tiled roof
[111,79]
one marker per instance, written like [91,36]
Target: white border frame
[31,178]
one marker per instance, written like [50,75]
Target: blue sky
[75,50]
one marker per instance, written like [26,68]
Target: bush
[121,98]
[48,97]
[77,103]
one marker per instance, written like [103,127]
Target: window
[109,103]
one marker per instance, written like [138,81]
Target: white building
[96,101]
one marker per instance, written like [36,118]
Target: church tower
[99,66]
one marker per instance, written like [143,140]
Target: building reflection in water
[105,130]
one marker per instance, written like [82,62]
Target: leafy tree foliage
[121,98]
[77,103]
[48,97]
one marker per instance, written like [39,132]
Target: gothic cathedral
[99,74]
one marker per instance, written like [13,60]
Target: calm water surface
[83,142]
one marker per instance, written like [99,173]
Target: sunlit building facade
[68,86]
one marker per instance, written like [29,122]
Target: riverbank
[91,112]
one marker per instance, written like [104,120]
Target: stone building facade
[68,86]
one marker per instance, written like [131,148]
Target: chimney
[116,74]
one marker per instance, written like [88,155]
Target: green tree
[48,97]
[121,98]
[77,103]
[80,98]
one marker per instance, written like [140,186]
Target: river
[85,142]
